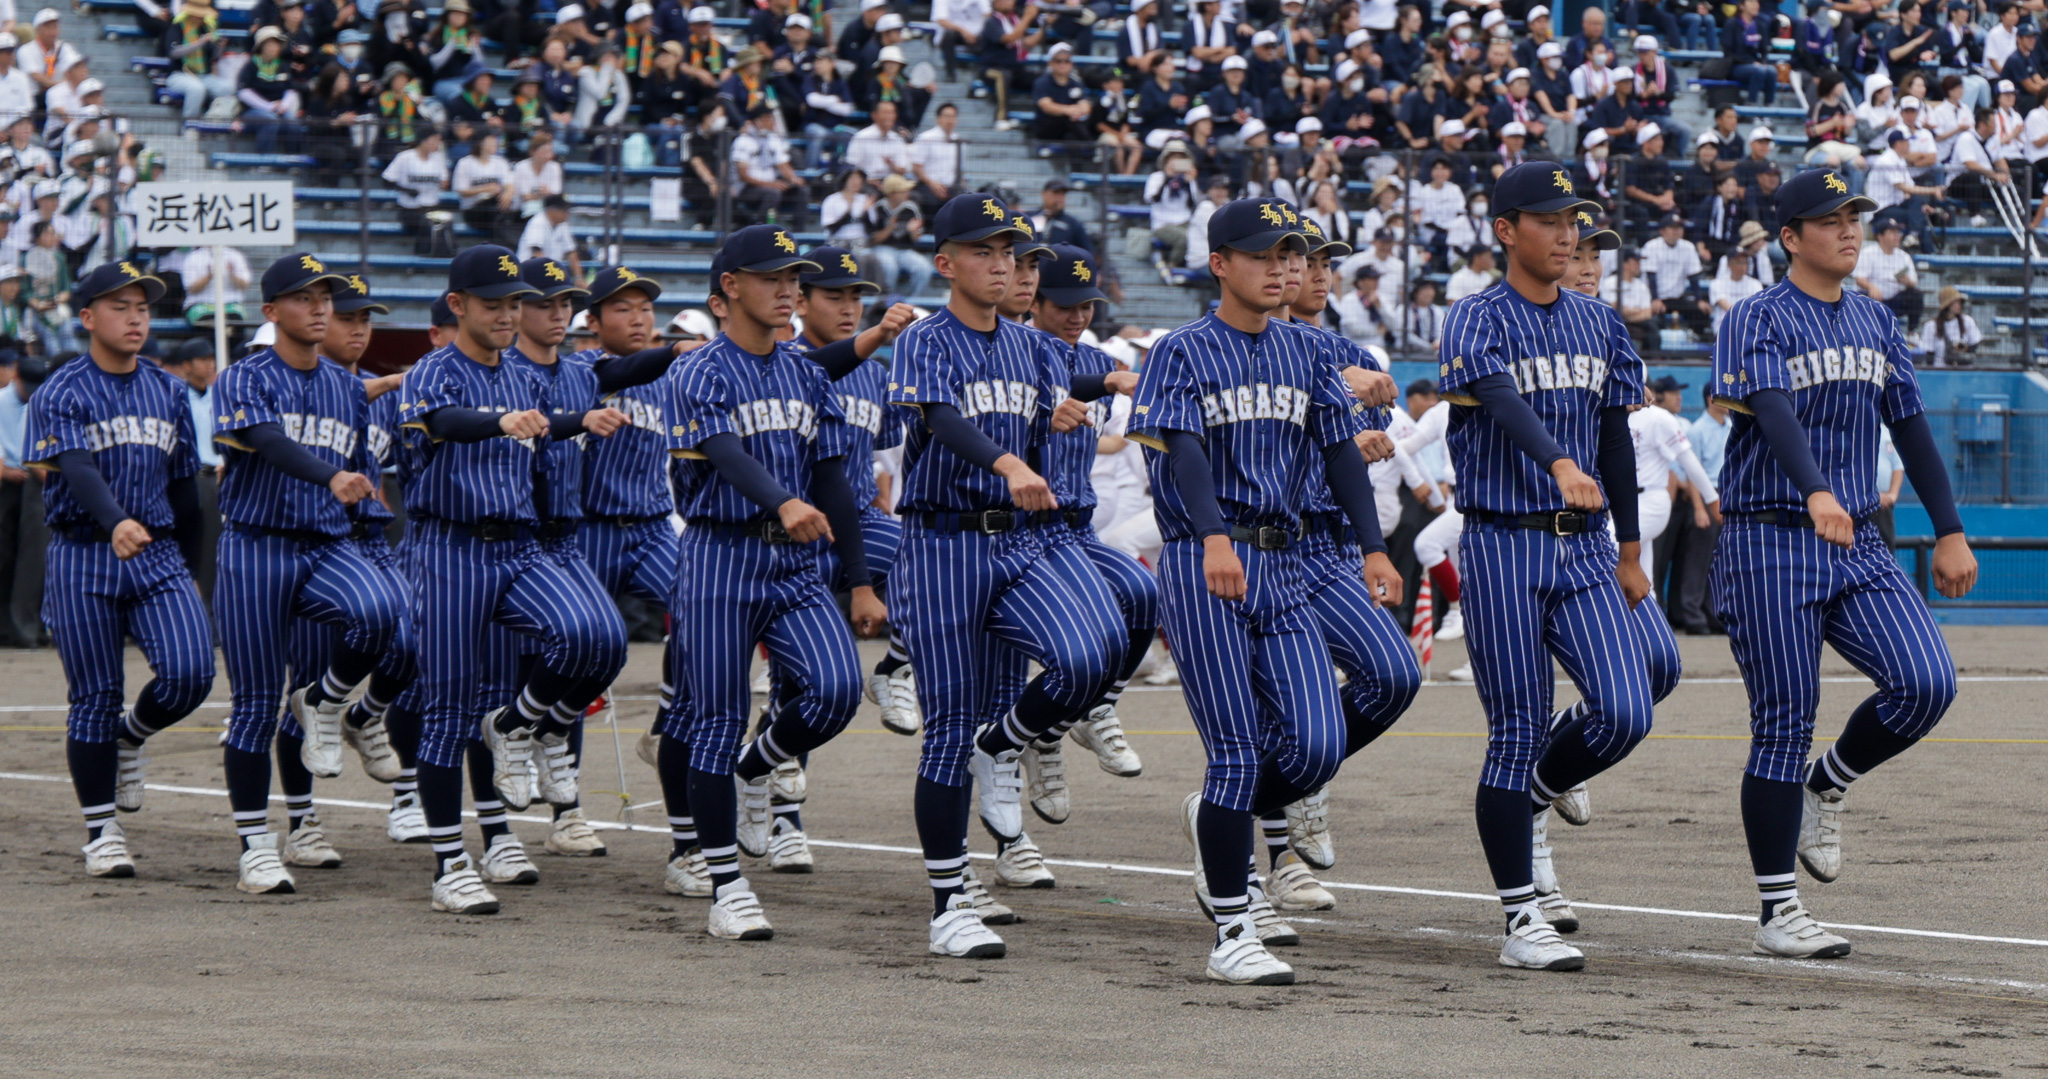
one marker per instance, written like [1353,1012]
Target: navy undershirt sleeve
[1617,467]
[967,441]
[183,494]
[1088,387]
[839,358]
[618,372]
[464,424]
[1189,461]
[89,488]
[268,441]
[1786,436]
[832,493]
[1351,485]
[565,425]
[1914,440]
[1502,401]
[750,477]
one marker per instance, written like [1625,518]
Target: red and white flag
[1422,631]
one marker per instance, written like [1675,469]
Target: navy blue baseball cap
[1320,244]
[966,218]
[1030,245]
[1066,276]
[760,249]
[2026,29]
[607,284]
[294,272]
[439,314]
[1256,225]
[837,269]
[112,277]
[1817,193]
[1538,187]
[487,271]
[354,295]
[550,279]
[1592,229]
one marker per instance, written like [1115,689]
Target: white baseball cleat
[573,837]
[688,876]
[1793,933]
[1532,944]
[1293,887]
[999,784]
[1574,806]
[1022,865]
[372,744]
[648,748]
[408,823]
[896,695]
[1045,782]
[1273,931]
[1308,830]
[764,681]
[1103,733]
[505,862]
[961,933]
[107,856]
[736,915]
[757,818]
[788,784]
[1240,958]
[556,768]
[1164,673]
[1460,674]
[1454,625]
[263,872]
[1557,910]
[1820,834]
[128,778]
[511,760]
[790,850]
[992,912]
[321,751]
[459,890]
[307,845]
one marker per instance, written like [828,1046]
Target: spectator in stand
[2009,141]
[1593,82]
[1289,100]
[1728,145]
[1422,111]
[1620,114]
[1359,316]
[196,272]
[332,107]
[1109,120]
[1163,98]
[1475,276]
[1910,45]
[419,174]
[580,30]
[1761,143]
[1538,30]
[702,180]
[1885,273]
[844,215]
[1214,199]
[603,94]
[1401,52]
[1922,150]
[452,51]
[46,57]
[790,64]
[1422,321]
[1717,220]
[1517,107]
[398,110]
[1138,47]
[1672,264]
[1471,102]
[1437,205]
[880,149]
[1655,86]
[1060,101]
[705,59]
[1949,118]
[474,110]
[270,104]
[960,23]
[891,83]
[1170,194]
[765,182]
[547,235]
[302,45]
[1760,203]
[557,86]
[1724,291]
[935,159]
[1209,38]
[895,225]
[1952,335]
[1592,37]
[396,32]
[1551,88]
[862,30]
[664,99]
[1354,124]
[1831,130]
[1890,185]
[1697,180]
[767,25]
[482,180]
[1326,209]
[828,102]
[1973,171]
[637,43]
[1262,70]
[194,51]
[746,85]
[1961,46]
[49,290]
[1006,37]
[1746,44]
[24,537]
[1629,294]
[1053,224]
[1648,185]
[64,101]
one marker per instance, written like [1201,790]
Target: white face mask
[1462,33]
[1356,84]
[1599,153]
[1598,59]
[1292,82]
[1479,208]
[1553,62]
[351,53]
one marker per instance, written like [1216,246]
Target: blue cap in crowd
[1817,193]
[966,218]
[294,272]
[837,269]
[609,283]
[354,295]
[1066,276]
[1320,244]
[487,271]
[439,314]
[1591,230]
[550,279]
[1537,187]
[112,277]
[1256,225]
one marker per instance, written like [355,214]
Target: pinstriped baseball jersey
[1846,369]
[323,410]
[779,405]
[137,426]
[1000,382]
[571,387]
[1569,359]
[1069,458]
[871,424]
[488,480]
[1349,354]
[377,452]
[622,475]
[1265,404]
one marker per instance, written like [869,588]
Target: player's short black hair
[1422,386]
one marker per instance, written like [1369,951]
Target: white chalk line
[1120,867]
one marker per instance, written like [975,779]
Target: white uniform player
[1438,540]
[1662,447]
[1121,489]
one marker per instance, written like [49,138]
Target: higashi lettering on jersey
[1259,401]
[1016,398]
[1838,365]
[775,414]
[131,431]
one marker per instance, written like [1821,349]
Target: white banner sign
[214,213]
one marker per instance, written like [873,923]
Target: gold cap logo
[1082,271]
[1835,183]
[993,209]
[357,285]
[310,263]
[846,263]
[507,266]
[1563,182]
[554,272]
[783,242]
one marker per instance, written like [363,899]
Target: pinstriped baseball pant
[312,643]
[640,557]
[1363,637]
[1781,592]
[509,656]
[1132,586]
[92,601]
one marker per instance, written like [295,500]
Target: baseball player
[756,421]
[1542,378]
[1237,404]
[475,557]
[972,576]
[290,426]
[1812,371]
[115,441]
[348,336]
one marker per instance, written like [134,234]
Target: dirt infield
[596,972]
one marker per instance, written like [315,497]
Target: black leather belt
[1561,523]
[767,530]
[557,528]
[96,534]
[987,522]
[366,529]
[296,535]
[488,530]
[1264,537]
[1334,524]
[1076,518]
[1785,518]
[625,522]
